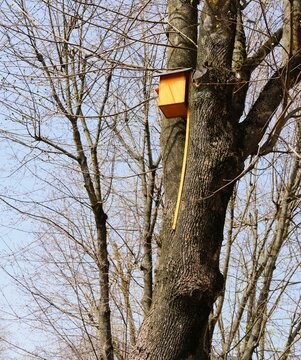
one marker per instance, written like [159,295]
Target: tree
[91,134]
[259,270]
[65,68]
[223,136]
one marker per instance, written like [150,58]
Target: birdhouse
[173,93]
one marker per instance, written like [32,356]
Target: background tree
[101,146]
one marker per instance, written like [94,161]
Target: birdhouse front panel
[173,94]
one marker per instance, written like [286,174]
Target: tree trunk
[188,278]
[105,343]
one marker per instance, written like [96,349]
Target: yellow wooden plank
[184,165]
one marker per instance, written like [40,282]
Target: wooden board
[173,94]
[174,110]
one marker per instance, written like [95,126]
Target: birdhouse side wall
[172,89]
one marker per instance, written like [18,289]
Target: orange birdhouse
[173,93]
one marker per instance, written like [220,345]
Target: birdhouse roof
[172,72]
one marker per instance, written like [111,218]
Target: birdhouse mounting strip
[184,165]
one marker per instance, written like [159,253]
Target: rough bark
[188,278]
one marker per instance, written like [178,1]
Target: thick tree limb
[277,87]
[252,62]
[261,113]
